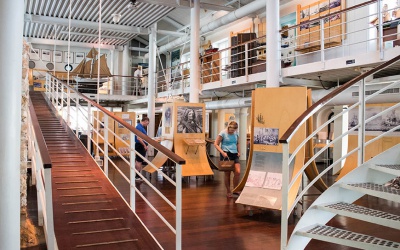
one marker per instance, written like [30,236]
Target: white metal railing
[41,177]
[87,117]
[290,151]
[249,58]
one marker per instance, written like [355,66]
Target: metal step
[363,213]
[347,238]
[389,169]
[376,190]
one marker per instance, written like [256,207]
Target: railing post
[285,193]
[106,145]
[62,99]
[77,115]
[88,131]
[178,205]
[51,240]
[322,36]
[361,122]
[132,171]
[57,90]
[380,29]
[246,61]
[52,91]
[68,107]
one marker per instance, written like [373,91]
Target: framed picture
[34,54]
[58,56]
[79,56]
[46,55]
[71,57]
[190,120]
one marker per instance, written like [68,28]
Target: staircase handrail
[174,157]
[41,177]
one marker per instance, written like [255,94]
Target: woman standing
[229,140]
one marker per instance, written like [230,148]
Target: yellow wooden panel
[124,133]
[275,109]
[97,126]
[195,155]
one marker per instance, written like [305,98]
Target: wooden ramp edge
[88,212]
[160,158]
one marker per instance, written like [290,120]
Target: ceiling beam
[171,21]
[171,33]
[306,82]
[65,43]
[142,40]
[94,35]
[187,4]
[86,24]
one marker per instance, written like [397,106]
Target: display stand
[190,128]
[273,111]
[123,144]
[99,139]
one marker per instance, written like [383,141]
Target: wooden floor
[212,221]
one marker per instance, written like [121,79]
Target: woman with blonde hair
[229,140]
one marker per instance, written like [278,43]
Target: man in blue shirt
[141,145]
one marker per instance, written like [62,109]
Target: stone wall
[24,122]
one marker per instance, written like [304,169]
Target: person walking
[141,146]
[229,140]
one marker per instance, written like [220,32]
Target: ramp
[88,212]
[160,158]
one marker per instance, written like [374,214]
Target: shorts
[140,150]
[231,156]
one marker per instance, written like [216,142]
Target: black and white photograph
[304,26]
[127,121]
[385,122]
[46,55]
[34,54]
[71,57]
[266,136]
[168,117]
[58,56]
[190,120]
[79,56]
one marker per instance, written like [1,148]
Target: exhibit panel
[274,110]
[167,132]
[189,138]
[122,144]
[99,126]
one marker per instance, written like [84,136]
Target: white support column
[126,89]
[10,121]
[111,82]
[243,133]
[273,46]
[152,83]
[340,147]
[214,131]
[194,52]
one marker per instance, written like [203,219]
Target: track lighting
[132,5]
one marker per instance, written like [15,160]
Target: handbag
[226,165]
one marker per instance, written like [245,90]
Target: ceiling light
[116,18]
[132,5]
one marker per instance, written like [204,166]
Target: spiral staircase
[367,179]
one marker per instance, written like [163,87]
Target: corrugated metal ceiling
[88,11]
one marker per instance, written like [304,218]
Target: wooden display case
[122,144]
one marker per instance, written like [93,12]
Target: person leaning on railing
[229,140]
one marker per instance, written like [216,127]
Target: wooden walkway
[88,211]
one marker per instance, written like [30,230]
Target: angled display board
[273,111]
[189,137]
